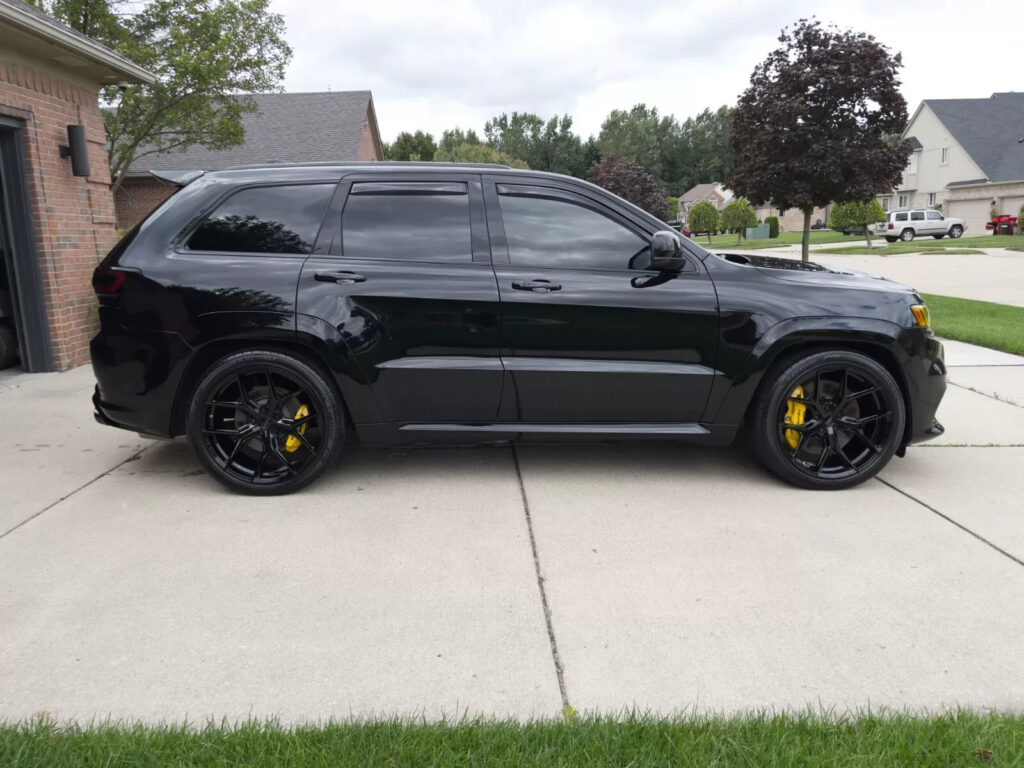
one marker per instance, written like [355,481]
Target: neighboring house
[54,225]
[334,126]
[792,219]
[712,192]
[968,157]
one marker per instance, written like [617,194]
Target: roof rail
[361,163]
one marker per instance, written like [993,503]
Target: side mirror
[666,252]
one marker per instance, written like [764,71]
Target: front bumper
[924,373]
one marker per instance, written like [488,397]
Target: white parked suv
[906,225]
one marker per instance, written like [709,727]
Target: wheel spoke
[239,432]
[271,392]
[807,427]
[863,393]
[259,464]
[243,393]
[826,450]
[234,452]
[799,444]
[302,439]
[281,457]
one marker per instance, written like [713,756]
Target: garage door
[1011,205]
[974,212]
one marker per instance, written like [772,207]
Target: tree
[816,123]
[630,181]
[673,206]
[454,137]
[412,146]
[543,146]
[477,153]
[856,215]
[738,215]
[206,55]
[703,154]
[703,218]
[644,137]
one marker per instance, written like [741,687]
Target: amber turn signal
[921,315]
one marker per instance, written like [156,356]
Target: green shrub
[773,225]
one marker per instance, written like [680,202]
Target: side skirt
[475,433]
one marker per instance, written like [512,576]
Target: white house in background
[968,157]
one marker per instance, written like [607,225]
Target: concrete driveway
[507,582]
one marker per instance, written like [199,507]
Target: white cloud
[460,62]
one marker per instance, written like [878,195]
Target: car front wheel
[907,235]
[956,231]
[828,420]
[265,422]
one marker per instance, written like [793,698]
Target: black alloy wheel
[829,420]
[265,422]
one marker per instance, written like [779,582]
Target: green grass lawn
[784,238]
[997,326]
[979,241]
[958,739]
[889,250]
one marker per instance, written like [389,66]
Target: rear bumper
[137,374]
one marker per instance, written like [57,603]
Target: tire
[891,239]
[8,346]
[907,235]
[956,231]
[246,426]
[938,237]
[845,436]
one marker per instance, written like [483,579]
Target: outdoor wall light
[77,150]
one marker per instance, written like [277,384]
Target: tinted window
[542,232]
[419,222]
[917,216]
[935,215]
[265,220]
[901,217]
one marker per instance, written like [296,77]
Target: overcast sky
[434,64]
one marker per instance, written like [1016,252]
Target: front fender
[735,388]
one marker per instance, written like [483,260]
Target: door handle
[537,286]
[342,277]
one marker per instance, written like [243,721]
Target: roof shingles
[286,127]
[990,131]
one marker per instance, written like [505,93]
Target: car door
[407,283]
[918,223]
[591,334]
[936,224]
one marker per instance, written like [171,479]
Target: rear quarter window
[271,219]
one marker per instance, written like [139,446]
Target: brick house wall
[72,217]
[135,198]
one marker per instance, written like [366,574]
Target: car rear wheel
[907,235]
[829,420]
[938,237]
[265,422]
[891,239]
[956,231]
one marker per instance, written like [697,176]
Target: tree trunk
[867,233]
[739,235]
[805,247]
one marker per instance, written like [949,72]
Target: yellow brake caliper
[292,443]
[794,415]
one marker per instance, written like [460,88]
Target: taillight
[891,226]
[107,281]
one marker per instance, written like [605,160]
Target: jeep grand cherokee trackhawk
[270,312]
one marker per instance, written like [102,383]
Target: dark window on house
[407,221]
[281,219]
[544,232]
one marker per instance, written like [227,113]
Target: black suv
[270,312]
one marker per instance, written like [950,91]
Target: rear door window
[901,217]
[917,216]
[279,219]
[411,221]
